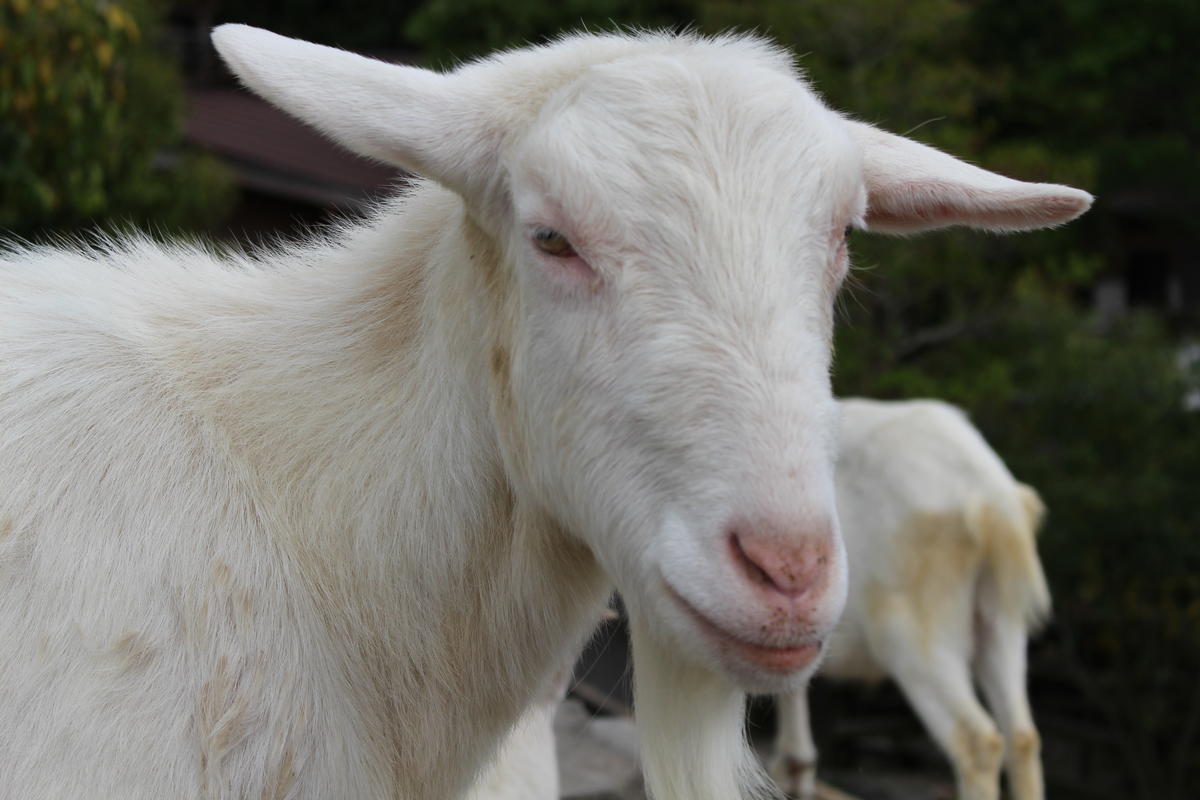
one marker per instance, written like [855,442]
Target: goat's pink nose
[794,567]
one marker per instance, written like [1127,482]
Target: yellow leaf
[119,19]
[115,16]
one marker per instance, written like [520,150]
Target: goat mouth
[781,660]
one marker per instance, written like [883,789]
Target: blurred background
[1077,351]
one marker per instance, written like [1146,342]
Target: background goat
[319,522]
[945,585]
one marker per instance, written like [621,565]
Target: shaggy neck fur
[389,494]
[712,760]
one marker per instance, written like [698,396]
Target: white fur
[945,585]
[525,766]
[319,522]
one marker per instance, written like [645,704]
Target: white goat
[318,523]
[945,582]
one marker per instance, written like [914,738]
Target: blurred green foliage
[364,25]
[449,31]
[1116,79]
[90,123]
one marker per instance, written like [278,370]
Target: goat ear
[422,121]
[912,187]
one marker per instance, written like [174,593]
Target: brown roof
[274,153]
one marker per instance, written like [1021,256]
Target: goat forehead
[722,149]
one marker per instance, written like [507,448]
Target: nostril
[752,570]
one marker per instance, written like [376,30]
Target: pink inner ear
[910,206]
[912,187]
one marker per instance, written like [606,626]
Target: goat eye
[846,233]
[552,243]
